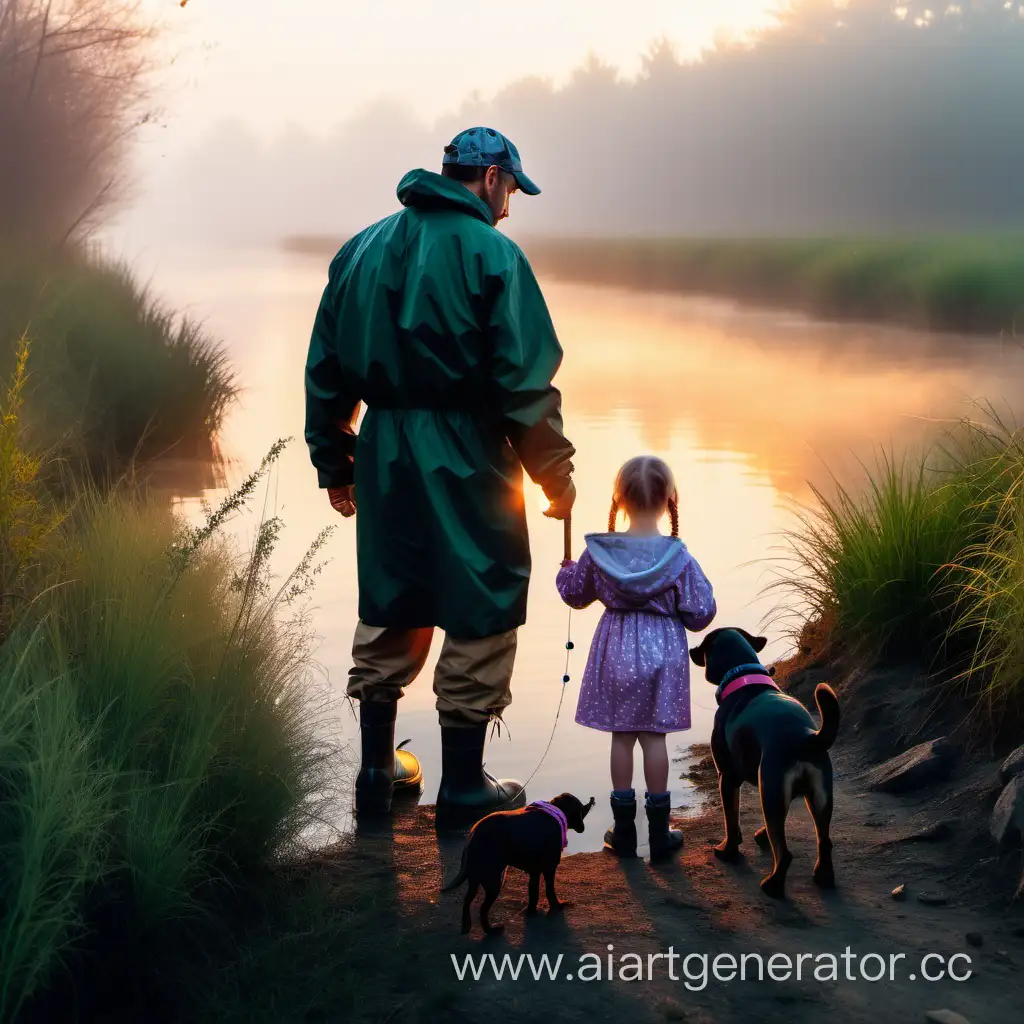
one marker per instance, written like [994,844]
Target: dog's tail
[460,877]
[828,707]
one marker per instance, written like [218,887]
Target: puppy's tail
[828,707]
[460,877]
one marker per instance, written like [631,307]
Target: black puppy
[531,839]
[766,738]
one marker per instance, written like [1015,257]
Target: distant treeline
[862,119]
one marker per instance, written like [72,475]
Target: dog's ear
[587,806]
[759,643]
[698,655]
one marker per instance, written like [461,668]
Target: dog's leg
[554,903]
[467,904]
[492,889]
[531,907]
[729,848]
[819,803]
[775,799]
[761,838]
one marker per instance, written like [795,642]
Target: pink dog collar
[543,805]
[740,681]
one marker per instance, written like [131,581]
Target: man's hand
[343,500]
[561,507]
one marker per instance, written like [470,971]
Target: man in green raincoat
[434,321]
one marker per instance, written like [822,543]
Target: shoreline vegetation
[161,734]
[967,285]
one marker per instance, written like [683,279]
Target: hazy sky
[316,62]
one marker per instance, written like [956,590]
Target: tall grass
[957,284]
[925,564]
[991,600]
[158,735]
[116,378]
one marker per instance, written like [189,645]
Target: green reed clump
[158,738]
[990,601]
[116,378]
[885,566]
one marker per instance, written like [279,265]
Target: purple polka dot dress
[637,677]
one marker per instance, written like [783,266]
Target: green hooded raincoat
[435,321]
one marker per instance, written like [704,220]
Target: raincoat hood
[639,567]
[425,190]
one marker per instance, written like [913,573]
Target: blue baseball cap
[484,147]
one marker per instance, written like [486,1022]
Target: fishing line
[569,645]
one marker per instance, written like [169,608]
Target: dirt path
[701,906]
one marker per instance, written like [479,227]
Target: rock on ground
[1007,824]
[945,1017]
[919,766]
[1012,766]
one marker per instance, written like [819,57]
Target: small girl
[637,680]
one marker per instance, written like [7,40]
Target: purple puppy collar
[543,805]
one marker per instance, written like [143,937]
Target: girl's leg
[622,760]
[655,751]
[663,841]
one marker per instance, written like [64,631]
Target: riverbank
[957,902]
[963,285]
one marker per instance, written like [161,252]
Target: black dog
[766,738]
[529,839]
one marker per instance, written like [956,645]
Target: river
[749,407]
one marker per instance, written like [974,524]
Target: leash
[567,540]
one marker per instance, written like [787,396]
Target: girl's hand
[566,561]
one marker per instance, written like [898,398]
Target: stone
[879,821]
[900,892]
[945,1017]
[932,899]
[975,939]
[937,833]
[1012,766]
[1007,824]
[914,768]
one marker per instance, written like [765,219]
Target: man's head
[488,164]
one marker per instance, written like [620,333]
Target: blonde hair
[645,484]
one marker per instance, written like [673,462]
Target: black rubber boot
[664,841]
[384,772]
[621,838]
[466,789]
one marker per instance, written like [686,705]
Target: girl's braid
[613,515]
